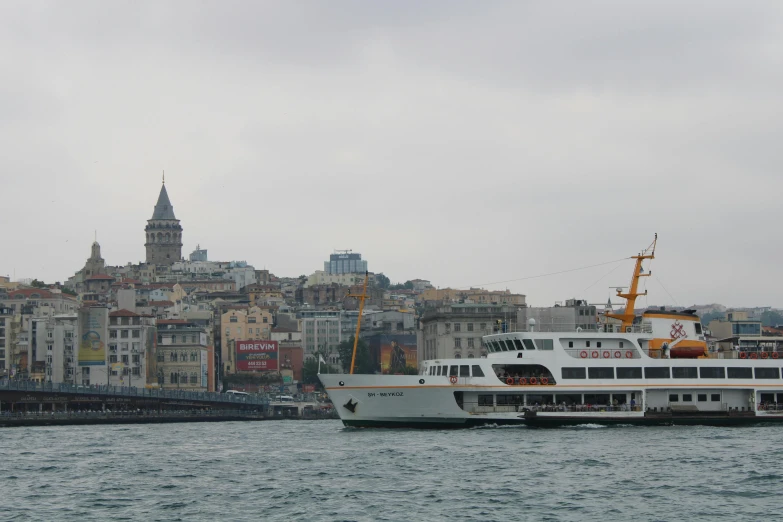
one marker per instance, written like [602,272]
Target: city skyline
[566,139]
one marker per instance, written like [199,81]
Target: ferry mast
[628,315]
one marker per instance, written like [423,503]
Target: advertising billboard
[397,352]
[257,356]
[92,336]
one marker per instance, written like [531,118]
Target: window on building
[457,342]
[124,334]
[470,327]
[470,342]
[173,356]
[112,359]
[457,327]
[251,319]
[136,371]
[482,326]
[457,356]
[233,319]
[112,334]
[265,320]
[173,339]
[125,359]
[136,334]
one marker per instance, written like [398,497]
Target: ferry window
[528,344]
[687,397]
[453,370]
[540,399]
[437,370]
[600,373]
[629,373]
[508,345]
[477,372]
[715,397]
[740,373]
[573,373]
[509,400]
[431,370]
[767,373]
[621,344]
[698,328]
[485,399]
[545,344]
[598,344]
[702,397]
[569,398]
[673,397]
[464,370]
[689,372]
[598,398]
[498,347]
[587,344]
[518,344]
[503,346]
[570,344]
[655,372]
[712,373]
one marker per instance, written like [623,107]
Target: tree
[364,363]
[69,291]
[310,371]
[382,281]
[408,285]
[38,284]
[771,318]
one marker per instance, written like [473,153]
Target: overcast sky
[460,142]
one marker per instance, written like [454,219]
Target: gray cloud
[462,142]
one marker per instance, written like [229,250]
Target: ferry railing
[126,391]
[519,407]
[572,327]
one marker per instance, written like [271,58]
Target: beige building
[454,331]
[319,277]
[183,357]
[473,295]
[241,324]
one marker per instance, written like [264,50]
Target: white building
[131,343]
[321,332]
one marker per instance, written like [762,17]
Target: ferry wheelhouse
[650,369]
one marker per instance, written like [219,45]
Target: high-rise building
[345,262]
[163,233]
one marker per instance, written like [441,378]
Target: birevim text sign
[257,356]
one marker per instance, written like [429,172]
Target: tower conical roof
[163,208]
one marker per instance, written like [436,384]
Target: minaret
[163,231]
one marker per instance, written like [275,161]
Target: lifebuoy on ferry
[522,381]
[544,380]
[509,381]
[629,354]
[743,355]
[775,355]
[606,354]
[617,354]
[583,354]
[753,356]
[594,355]
[764,355]
[533,380]
[453,379]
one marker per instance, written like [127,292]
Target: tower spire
[164,177]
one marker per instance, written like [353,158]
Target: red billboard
[257,356]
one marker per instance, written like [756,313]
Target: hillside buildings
[345,262]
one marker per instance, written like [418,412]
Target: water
[317,470]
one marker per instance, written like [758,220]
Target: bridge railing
[129,391]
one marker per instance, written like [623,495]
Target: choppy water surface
[318,470]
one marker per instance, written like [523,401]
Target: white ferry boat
[651,369]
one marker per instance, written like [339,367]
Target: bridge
[30,396]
